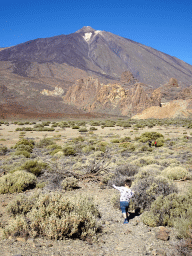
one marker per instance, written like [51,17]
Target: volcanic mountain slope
[98,53]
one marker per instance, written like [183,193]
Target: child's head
[128,182]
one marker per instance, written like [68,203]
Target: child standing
[126,194]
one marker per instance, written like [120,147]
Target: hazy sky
[165,25]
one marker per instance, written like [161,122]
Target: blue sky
[163,25]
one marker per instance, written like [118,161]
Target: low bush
[63,124]
[34,167]
[81,123]
[44,129]
[125,139]
[83,130]
[3,150]
[23,152]
[115,141]
[75,127]
[127,170]
[46,123]
[78,139]
[53,146]
[171,210]
[88,149]
[95,123]
[69,183]
[175,173]
[159,142]
[148,189]
[108,123]
[127,146]
[17,182]
[101,146]
[146,148]
[147,136]
[54,216]
[25,145]
[69,151]
[93,128]
[45,142]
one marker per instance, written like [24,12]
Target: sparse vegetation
[98,160]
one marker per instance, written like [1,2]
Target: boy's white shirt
[126,193]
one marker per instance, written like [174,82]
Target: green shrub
[17,182]
[125,139]
[25,145]
[55,151]
[127,170]
[95,123]
[22,204]
[78,139]
[3,150]
[34,167]
[37,126]
[63,124]
[46,123]
[53,146]
[115,140]
[101,146]
[183,224]
[45,142]
[23,152]
[88,149]
[147,136]
[75,127]
[69,183]
[175,173]
[148,189]
[92,128]
[44,129]
[83,130]
[54,216]
[41,184]
[81,123]
[169,211]
[146,148]
[68,151]
[127,146]
[159,142]
[108,123]
[126,125]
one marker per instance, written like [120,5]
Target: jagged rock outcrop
[185,94]
[172,91]
[127,78]
[92,96]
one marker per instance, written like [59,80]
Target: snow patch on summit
[87,36]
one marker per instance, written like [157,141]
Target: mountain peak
[86,29]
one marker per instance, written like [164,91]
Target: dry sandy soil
[134,239]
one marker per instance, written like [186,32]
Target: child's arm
[118,188]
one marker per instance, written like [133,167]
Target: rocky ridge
[92,96]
